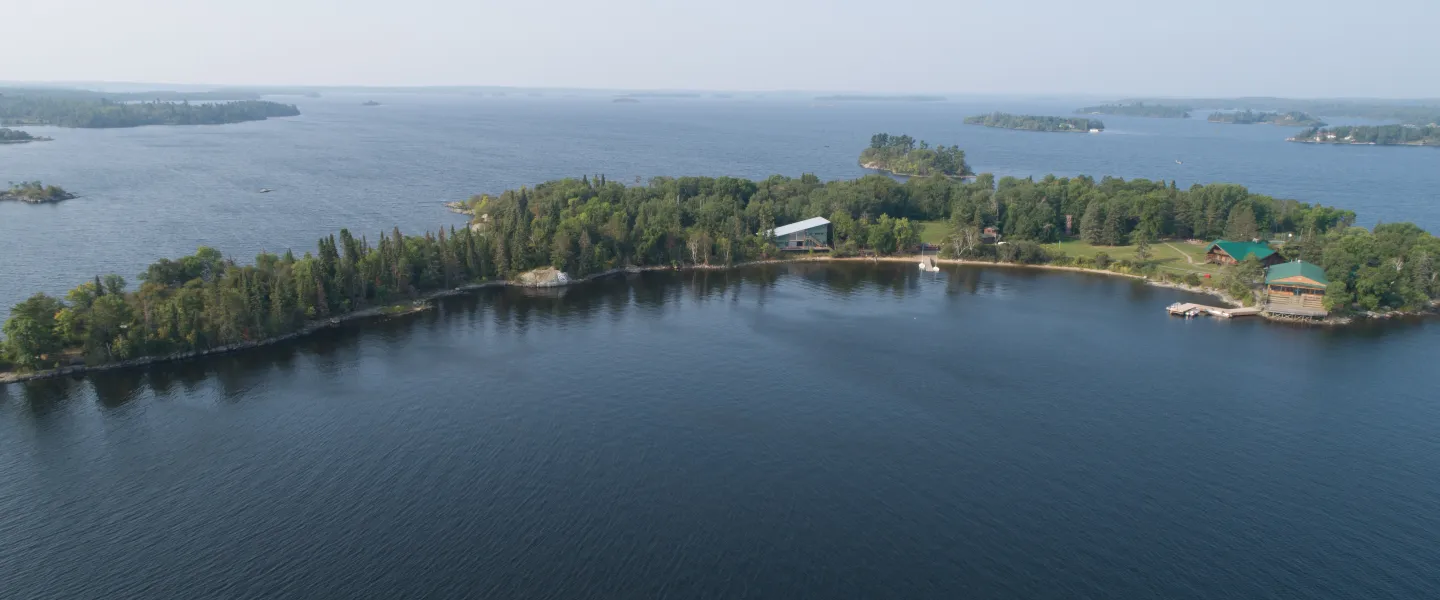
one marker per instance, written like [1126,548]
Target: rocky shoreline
[28,200]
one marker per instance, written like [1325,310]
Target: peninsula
[1250,117]
[901,155]
[574,229]
[1037,123]
[63,111]
[34,192]
[1138,109]
[1372,135]
[15,136]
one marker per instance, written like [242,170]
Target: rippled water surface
[802,432]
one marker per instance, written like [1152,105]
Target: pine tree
[1092,224]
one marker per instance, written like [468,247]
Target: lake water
[156,192]
[805,432]
[796,432]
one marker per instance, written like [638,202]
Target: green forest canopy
[34,191]
[1137,109]
[1382,135]
[1250,117]
[1035,123]
[104,113]
[588,225]
[901,154]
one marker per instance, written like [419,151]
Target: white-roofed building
[810,234]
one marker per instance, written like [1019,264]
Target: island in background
[1138,109]
[34,192]
[1250,117]
[878,98]
[901,155]
[15,136]
[1372,135]
[1414,112]
[370,103]
[85,109]
[1037,123]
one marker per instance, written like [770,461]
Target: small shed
[1296,288]
[1222,252]
[810,234]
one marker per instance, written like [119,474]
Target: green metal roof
[1298,268]
[1243,250]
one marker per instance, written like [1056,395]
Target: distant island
[1036,123]
[1413,112]
[1250,117]
[34,192]
[105,113]
[625,100]
[875,98]
[1371,135]
[1138,109]
[370,103]
[900,154]
[15,136]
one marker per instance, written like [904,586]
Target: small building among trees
[1296,288]
[810,234]
[1222,252]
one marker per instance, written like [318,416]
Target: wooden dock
[1188,309]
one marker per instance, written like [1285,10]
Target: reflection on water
[811,430]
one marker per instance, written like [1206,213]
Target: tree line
[105,113]
[901,154]
[1137,109]
[589,225]
[1380,135]
[1250,117]
[1035,123]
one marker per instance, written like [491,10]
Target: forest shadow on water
[806,430]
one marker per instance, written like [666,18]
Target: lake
[795,432]
[801,431]
[154,192]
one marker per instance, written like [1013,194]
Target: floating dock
[1194,310]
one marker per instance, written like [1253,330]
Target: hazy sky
[1113,47]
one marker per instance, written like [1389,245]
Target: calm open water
[837,431]
[798,432]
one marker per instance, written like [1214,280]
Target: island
[626,100]
[1372,135]
[105,113]
[901,155]
[575,229]
[1250,117]
[370,103]
[1137,109]
[1412,112]
[34,192]
[1037,123]
[15,136]
[878,98]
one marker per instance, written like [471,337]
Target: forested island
[1250,117]
[1138,109]
[34,192]
[1036,123]
[901,155]
[15,136]
[1381,135]
[370,103]
[105,113]
[588,226]
[878,98]
[1413,112]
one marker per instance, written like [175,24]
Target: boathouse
[1222,252]
[1296,289]
[810,234]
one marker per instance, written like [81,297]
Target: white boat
[265,190]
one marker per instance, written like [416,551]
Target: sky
[1297,48]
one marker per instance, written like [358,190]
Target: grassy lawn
[933,232]
[1176,256]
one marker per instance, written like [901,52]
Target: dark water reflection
[793,431]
